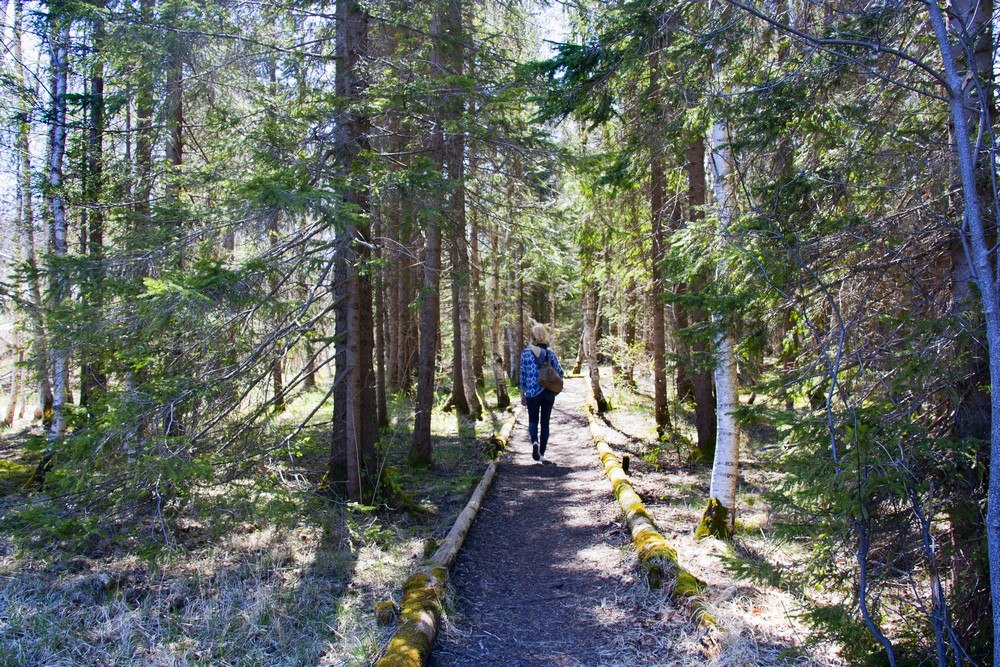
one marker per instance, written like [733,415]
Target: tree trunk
[278,364]
[657,204]
[93,379]
[721,513]
[394,317]
[26,232]
[699,360]
[360,413]
[499,376]
[420,448]
[144,128]
[457,401]
[982,258]
[337,469]
[580,354]
[478,290]
[59,288]
[175,104]
[15,382]
[971,23]
[382,403]
[591,323]
[463,305]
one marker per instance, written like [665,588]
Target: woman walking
[538,399]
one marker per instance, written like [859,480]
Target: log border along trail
[545,576]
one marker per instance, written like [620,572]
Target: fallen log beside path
[658,559]
[420,610]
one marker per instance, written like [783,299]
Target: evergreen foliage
[236,208]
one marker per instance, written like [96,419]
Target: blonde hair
[539,334]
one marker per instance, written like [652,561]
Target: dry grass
[758,624]
[287,583]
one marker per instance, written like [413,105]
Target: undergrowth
[258,569]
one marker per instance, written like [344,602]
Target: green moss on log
[686,585]
[419,619]
[385,612]
[659,560]
[714,522]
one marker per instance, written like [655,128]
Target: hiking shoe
[542,459]
[534,450]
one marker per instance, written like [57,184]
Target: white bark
[60,283]
[985,276]
[725,469]
[26,228]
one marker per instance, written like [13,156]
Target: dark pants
[543,402]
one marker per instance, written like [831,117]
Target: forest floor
[262,571]
[265,571]
[548,576]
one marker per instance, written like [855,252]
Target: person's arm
[555,364]
[524,364]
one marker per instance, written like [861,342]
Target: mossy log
[419,618]
[658,558]
[447,552]
[421,610]
[498,441]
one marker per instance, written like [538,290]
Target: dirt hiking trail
[546,576]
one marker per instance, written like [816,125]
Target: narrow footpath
[546,576]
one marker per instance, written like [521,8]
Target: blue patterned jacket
[529,371]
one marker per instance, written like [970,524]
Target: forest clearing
[272,272]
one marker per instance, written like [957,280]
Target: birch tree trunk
[721,512]
[59,54]
[26,231]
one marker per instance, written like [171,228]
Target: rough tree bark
[360,418]
[93,378]
[657,204]
[420,445]
[499,376]
[700,376]
[591,322]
